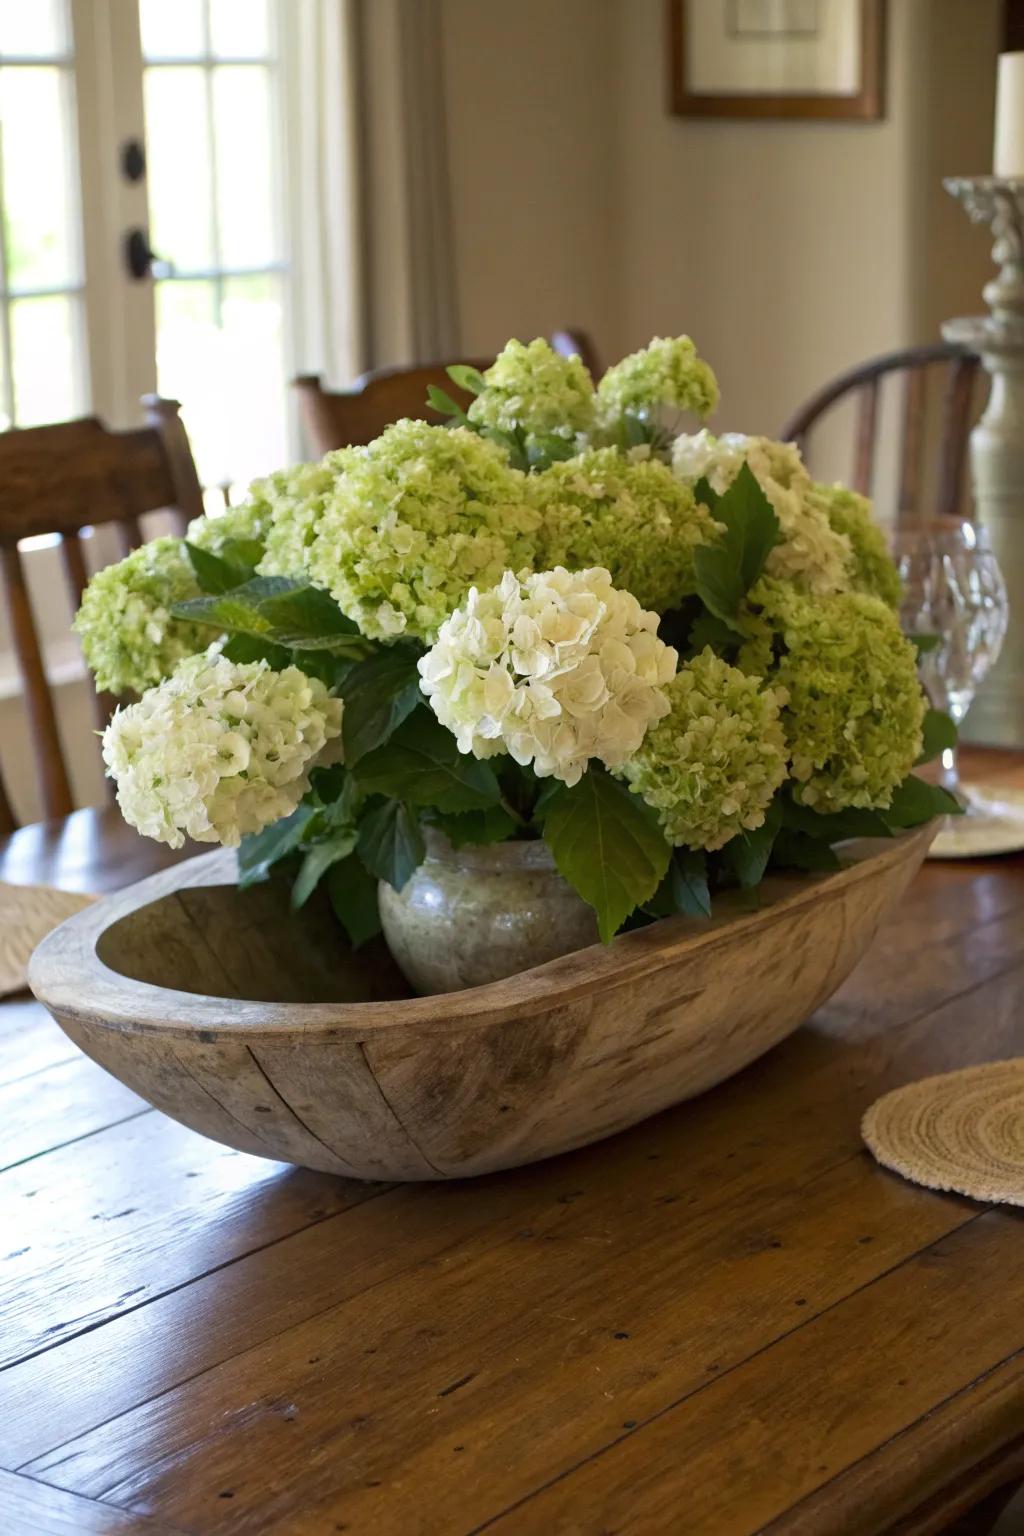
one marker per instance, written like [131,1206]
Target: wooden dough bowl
[264,1031]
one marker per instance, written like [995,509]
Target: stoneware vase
[472,915]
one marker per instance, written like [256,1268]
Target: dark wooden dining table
[726,1320]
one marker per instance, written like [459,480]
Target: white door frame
[120,320]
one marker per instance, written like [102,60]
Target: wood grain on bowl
[266,1033]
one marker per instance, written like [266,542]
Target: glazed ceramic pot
[472,915]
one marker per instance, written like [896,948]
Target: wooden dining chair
[353,417]
[59,480]
[917,367]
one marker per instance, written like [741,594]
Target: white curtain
[367,180]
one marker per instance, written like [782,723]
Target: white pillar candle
[1008,155]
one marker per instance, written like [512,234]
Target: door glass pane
[219,351]
[239,29]
[172,29]
[179,156]
[43,369]
[242,134]
[186,333]
[34,29]
[254,373]
[41,243]
[213,189]
[45,340]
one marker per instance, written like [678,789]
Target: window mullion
[214,210]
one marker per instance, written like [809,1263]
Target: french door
[143,243]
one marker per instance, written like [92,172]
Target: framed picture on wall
[777,58]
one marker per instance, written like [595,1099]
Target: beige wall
[791,250]
[788,250]
[531,118]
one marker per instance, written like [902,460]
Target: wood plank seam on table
[60,1061]
[764,1348]
[72,1141]
[36,1501]
[34,1354]
[985,1477]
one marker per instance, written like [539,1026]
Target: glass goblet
[953,595]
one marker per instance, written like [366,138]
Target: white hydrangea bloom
[218,750]
[555,668]
[812,555]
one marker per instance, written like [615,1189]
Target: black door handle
[140,258]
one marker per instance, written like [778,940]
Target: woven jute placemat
[27,914]
[962,1131]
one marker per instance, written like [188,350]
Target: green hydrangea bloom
[667,372]
[632,517]
[293,500]
[417,518]
[247,523]
[853,720]
[129,640]
[534,388]
[712,765]
[872,566]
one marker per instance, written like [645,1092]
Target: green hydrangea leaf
[379,694]
[727,569]
[703,492]
[915,802]
[836,826]
[938,734]
[248,648]
[258,853]
[467,378]
[543,451]
[493,825]
[353,893]
[607,843]
[688,875]
[244,554]
[709,629]
[216,573]
[439,400]
[276,609]
[513,443]
[794,850]
[390,842]
[423,765]
[318,861]
[749,852]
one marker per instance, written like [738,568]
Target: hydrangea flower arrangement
[675,657]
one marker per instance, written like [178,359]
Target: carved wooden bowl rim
[67,974]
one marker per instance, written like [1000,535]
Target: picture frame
[818,59]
